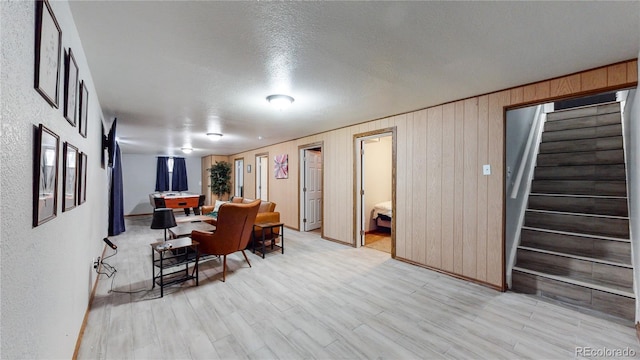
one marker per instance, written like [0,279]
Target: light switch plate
[486,169]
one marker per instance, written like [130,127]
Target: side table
[167,262]
[268,227]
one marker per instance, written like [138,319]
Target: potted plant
[220,174]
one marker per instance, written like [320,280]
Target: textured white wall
[519,122]
[632,134]
[139,180]
[46,272]
[378,177]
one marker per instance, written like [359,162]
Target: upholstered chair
[233,232]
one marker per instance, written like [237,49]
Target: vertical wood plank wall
[449,216]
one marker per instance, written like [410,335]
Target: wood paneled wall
[449,216]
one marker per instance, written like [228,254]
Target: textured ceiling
[173,71]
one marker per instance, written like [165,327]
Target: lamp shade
[163,219]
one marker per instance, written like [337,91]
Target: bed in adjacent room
[382,214]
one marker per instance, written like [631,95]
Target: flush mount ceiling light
[281,102]
[187,150]
[214,136]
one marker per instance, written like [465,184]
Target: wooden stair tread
[594,205]
[601,300]
[587,283]
[582,111]
[566,195]
[582,122]
[583,133]
[578,214]
[601,157]
[618,252]
[601,237]
[578,257]
[605,273]
[607,188]
[581,172]
[581,145]
[601,225]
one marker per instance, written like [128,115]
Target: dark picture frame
[84,108]
[82,178]
[45,175]
[48,48]
[70,88]
[69,177]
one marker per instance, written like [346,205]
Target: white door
[312,189]
[239,183]
[262,190]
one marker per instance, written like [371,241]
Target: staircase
[574,244]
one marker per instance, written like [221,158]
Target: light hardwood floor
[324,300]
[378,240]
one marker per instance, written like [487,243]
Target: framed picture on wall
[281,166]
[84,108]
[69,177]
[45,175]
[70,88]
[82,178]
[48,49]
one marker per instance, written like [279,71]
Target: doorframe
[301,181]
[235,176]
[357,168]
[258,174]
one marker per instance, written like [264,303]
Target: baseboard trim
[86,313]
[577,257]
[457,276]
[337,241]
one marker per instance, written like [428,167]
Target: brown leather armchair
[233,232]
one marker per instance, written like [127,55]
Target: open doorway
[567,202]
[238,188]
[262,177]
[311,169]
[375,190]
